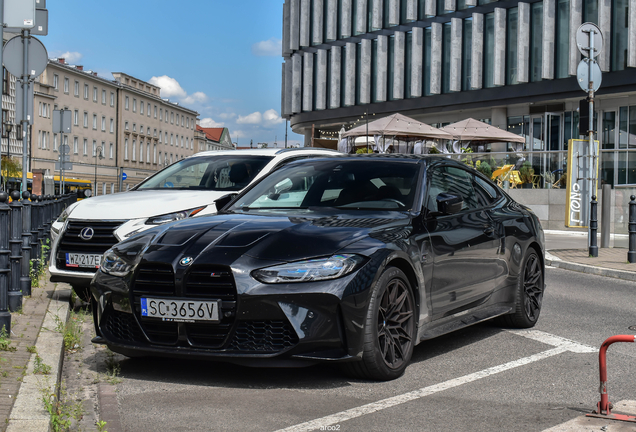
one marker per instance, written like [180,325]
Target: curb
[554,261]
[28,413]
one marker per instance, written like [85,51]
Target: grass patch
[71,330]
[63,409]
[39,367]
[5,342]
[113,368]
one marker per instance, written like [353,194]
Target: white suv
[86,229]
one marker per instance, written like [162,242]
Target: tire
[529,296]
[390,329]
[83,293]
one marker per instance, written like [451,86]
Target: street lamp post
[98,152]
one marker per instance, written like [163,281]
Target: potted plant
[484,168]
[526,174]
[548,179]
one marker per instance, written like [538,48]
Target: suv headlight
[310,270]
[171,217]
[115,265]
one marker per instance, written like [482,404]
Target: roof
[213,134]
[398,125]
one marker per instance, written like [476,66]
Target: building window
[55,81]
[141,151]
[166,138]
[76,117]
[134,148]
[76,89]
[95,121]
[126,103]
[590,11]
[160,135]
[148,153]
[54,142]
[171,139]
[160,114]
[562,42]
[188,120]
[154,154]
[536,39]
[620,32]
[112,125]
[512,17]
[489,50]
[75,145]
[141,107]
[5,81]
[94,148]
[182,123]
[126,149]
[446,57]
[103,97]
[125,125]
[85,119]
[134,105]
[159,158]
[94,94]
[171,117]
[155,111]
[85,146]
[134,127]
[148,110]
[110,150]
[66,85]
[103,124]
[148,130]
[427,61]
[112,99]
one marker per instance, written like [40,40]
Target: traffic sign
[65,158]
[124,176]
[19,13]
[19,104]
[65,149]
[62,120]
[583,39]
[66,166]
[13,56]
[583,74]
[41,27]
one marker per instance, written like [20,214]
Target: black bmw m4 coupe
[352,259]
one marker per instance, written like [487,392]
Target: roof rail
[305,148]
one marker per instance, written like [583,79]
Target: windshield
[214,172]
[358,184]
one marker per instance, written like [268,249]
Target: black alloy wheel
[390,329]
[529,294]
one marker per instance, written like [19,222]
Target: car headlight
[115,265]
[171,217]
[310,270]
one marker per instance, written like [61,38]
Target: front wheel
[390,329]
[529,296]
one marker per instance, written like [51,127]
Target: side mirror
[224,201]
[449,204]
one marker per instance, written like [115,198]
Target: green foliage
[468,160]
[31,349]
[71,330]
[39,367]
[5,343]
[101,426]
[526,172]
[434,150]
[11,168]
[484,168]
[364,150]
[112,368]
[62,409]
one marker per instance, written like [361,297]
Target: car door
[464,245]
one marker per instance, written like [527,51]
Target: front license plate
[180,310]
[83,260]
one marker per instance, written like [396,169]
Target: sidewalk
[611,262]
[33,332]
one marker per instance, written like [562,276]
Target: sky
[221,58]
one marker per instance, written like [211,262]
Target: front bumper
[266,324]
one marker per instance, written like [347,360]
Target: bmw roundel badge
[186,261]
[86,233]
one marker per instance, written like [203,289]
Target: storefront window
[620,12]
[562,42]
[467,53]
[511,46]
[536,41]
[446,57]
[489,50]
[427,61]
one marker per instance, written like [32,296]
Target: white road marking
[557,341]
[417,394]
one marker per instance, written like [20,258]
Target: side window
[452,180]
[486,193]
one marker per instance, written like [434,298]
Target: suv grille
[103,239]
[263,336]
[201,282]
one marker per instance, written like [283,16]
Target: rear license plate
[180,310]
[83,260]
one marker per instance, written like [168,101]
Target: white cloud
[238,134]
[272,118]
[268,48]
[209,123]
[197,97]
[71,57]
[254,118]
[170,87]
[227,116]
[269,118]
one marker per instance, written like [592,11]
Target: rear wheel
[389,331]
[529,294]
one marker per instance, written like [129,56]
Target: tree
[11,168]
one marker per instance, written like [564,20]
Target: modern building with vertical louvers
[511,64]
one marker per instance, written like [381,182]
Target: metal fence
[24,233]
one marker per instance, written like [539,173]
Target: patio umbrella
[398,125]
[474,130]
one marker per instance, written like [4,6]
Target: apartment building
[120,126]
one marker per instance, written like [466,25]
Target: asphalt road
[482,378]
